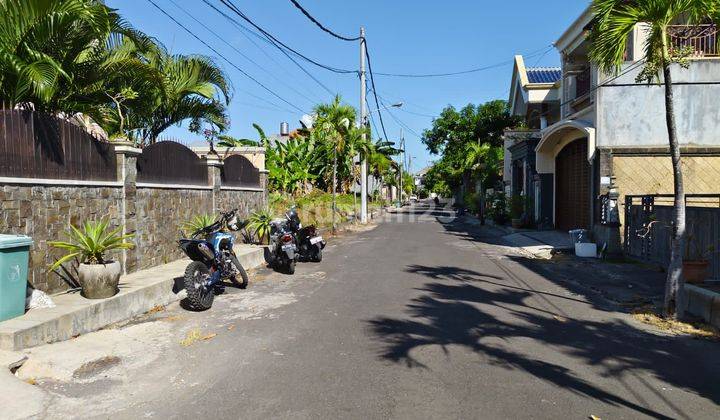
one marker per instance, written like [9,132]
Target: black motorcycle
[310,244]
[283,245]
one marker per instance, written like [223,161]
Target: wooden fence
[36,145]
[238,171]
[169,162]
[648,228]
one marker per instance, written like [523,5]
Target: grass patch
[647,315]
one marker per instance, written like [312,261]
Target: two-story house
[612,130]
[535,98]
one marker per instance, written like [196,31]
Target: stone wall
[44,209]
[45,212]
[160,215]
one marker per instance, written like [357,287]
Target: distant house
[534,96]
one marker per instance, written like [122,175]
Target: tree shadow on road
[462,307]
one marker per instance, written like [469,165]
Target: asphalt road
[422,317]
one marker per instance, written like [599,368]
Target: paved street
[422,317]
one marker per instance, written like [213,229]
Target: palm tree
[614,22]
[60,54]
[486,161]
[192,87]
[332,125]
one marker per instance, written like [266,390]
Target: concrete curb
[75,315]
[703,303]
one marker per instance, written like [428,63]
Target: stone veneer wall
[160,215]
[44,212]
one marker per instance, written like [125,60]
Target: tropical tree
[192,88]
[332,124]
[60,55]
[613,23]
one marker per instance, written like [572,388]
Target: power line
[229,4]
[320,25]
[223,57]
[374,89]
[267,39]
[240,52]
[475,70]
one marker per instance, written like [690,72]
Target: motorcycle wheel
[291,267]
[317,257]
[199,296]
[243,274]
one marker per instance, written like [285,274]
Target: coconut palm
[614,22]
[332,125]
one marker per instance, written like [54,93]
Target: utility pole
[363,124]
[402,167]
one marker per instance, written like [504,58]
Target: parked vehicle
[413,198]
[283,243]
[211,249]
[310,244]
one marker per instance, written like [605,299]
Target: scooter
[283,245]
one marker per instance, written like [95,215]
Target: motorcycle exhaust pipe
[206,251]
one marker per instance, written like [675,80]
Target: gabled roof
[544,74]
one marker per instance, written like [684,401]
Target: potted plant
[696,259]
[98,276]
[517,208]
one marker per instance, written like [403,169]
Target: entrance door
[572,187]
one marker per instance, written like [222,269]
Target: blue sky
[404,36]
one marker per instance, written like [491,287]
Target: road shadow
[460,307]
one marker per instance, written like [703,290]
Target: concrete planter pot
[695,271]
[99,281]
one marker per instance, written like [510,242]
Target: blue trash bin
[14,256]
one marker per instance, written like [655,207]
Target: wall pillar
[126,154]
[214,178]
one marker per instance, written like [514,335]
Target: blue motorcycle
[213,260]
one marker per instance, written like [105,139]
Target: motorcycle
[310,244]
[283,245]
[213,260]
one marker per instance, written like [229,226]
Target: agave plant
[91,243]
[259,223]
[197,223]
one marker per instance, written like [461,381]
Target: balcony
[702,39]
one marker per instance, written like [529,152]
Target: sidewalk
[626,283]
[74,315]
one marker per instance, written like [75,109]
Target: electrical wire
[230,5]
[223,57]
[320,25]
[271,42]
[544,50]
[234,48]
[374,89]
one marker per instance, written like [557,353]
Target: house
[611,134]
[535,97]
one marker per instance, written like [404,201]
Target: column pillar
[126,156]
[214,178]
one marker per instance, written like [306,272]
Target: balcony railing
[703,39]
